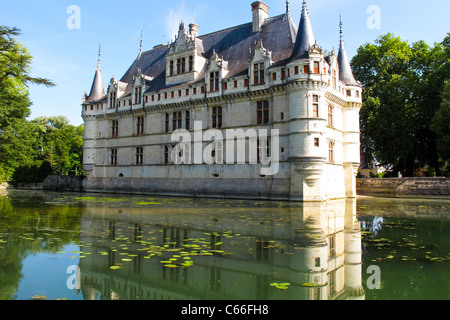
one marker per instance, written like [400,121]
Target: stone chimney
[260,12]
[193,30]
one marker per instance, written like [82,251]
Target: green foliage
[31,150]
[402,86]
[441,124]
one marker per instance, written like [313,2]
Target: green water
[97,246]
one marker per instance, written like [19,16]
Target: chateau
[268,75]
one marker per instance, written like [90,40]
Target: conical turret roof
[305,36]
[346,73]
[97,90]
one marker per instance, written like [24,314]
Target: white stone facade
[221,80]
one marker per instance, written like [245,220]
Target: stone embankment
[404,187]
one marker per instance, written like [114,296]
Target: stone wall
[404,187]
[63,183]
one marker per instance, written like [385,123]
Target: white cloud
[175,17]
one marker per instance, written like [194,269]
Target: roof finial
[287,6]
[99,55]
[140,48]
[341,33]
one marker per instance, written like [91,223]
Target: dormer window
[112,100]
[138,95]
[258,73]
[214,81]
[316,67]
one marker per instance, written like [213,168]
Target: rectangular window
[112,100]
[235,84]
[166,154]
[316,142]
[263,151]
[246,83]
[283,75]
[217,117]
[138,95]
[334,79]
[139,156]
[183,65]
[214,81]
[306,69]
[176,121]
[171,68]
[114,157]
[167,127]
[296,70]
[274,76]
[349,93]
[225,86]
[115,129]
[178,66]
[317,262]
[331,152]
[188,120]
[316,67]
[315,106]
[332,246]
[262,112]
[258,73]
[140,126]
[194,91]
[330,115]
[191,63]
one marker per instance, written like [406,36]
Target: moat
[104,247]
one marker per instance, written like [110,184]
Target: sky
[64,36]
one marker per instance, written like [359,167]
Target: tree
[402,84]
[441,124]
[15,69]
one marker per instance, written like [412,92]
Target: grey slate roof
[278,35]
[305,36]
[97,92]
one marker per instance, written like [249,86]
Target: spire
[305,36]
[140,49]
[345,74]
[99,56]
[97,90]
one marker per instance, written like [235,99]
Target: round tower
[92,105]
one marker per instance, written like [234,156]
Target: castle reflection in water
[315,249]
